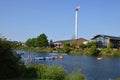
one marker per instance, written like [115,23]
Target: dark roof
[106,36]
[61,41]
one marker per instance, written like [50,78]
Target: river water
[106,69]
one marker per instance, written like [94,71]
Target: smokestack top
[78,7]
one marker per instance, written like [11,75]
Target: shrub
[10,65]
[29,72]
[34,71]
[44,72]
[82,46]
[41,69]
[93,51]
[110,52]
[118,79]
[116,52]
[54,73]
[107,52]
[76,75]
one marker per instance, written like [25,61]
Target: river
[106,69]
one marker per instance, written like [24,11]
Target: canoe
[44,58]
[49,58]
[39,58]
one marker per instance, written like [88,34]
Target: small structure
[102,41]
[58,44]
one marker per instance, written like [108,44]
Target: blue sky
[23,19]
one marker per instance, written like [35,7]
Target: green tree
[51,43]
[90,44]
[34,42]
[42,40]
[82,46]
[28,42]
[15,44]
[10,65]
[93,51]
[110,45]
[66,47]
[73,45]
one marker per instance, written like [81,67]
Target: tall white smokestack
[76,21]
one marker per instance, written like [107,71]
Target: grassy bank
[102,52]
[47,49]
[93,51]
[44,72]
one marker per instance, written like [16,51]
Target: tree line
[40,41]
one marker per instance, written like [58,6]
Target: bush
[76,75]
[44,72]
[107,52]
[110,52]
[116,52]
[29,72]
[54,73]
[10,65]
[40,69]
[118,79]
[93,51]
[35,71]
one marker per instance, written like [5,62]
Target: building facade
[60,44]
[102,41]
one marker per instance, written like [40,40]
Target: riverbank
[86,51]
[102,52]
[44,72]
[39,49]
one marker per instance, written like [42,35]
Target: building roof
[106,36]
[62,41]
